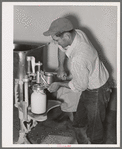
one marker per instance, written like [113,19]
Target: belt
[96,89]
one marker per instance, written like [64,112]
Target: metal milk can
[38,100]
[49,77]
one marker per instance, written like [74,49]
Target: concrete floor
[57,129]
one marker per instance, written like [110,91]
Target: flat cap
[59,25]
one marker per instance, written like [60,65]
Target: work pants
[90,115]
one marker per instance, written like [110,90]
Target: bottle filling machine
[30,97]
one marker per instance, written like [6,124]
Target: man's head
[60,30]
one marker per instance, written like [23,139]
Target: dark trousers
[90,115]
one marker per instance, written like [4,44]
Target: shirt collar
[69,49]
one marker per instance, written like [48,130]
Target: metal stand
[31,121]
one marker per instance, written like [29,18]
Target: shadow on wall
[74,19]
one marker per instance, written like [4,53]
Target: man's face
[62,41]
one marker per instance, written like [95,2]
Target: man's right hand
[61,74]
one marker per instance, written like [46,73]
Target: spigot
[28,60]
[33,64]
[35,75]
[31,60]
[38,79]
[38,64]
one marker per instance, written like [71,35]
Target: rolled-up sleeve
[80,74]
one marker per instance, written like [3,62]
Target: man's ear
[67,35]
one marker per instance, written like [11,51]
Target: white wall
[98,22]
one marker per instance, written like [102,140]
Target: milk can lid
[48,73]
[38,87]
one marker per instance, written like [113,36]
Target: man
[89,76]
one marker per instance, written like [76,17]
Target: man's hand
[61,74]
[54,87]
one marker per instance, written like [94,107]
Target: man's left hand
[54,87]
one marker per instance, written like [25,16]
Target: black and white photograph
[61,74]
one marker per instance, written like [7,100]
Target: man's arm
[61,72]
[56,85]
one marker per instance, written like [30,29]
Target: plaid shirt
[88,72]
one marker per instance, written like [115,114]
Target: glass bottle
[38,100]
